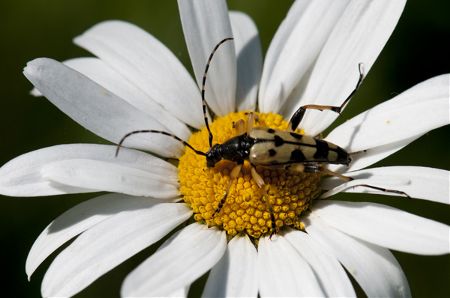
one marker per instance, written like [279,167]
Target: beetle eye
[211,162]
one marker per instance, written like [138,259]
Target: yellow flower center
[247,208]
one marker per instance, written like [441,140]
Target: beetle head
[213,156]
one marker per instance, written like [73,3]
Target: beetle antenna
[160,132]
[204,104]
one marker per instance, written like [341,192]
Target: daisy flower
[136,83]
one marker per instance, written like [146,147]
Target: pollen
[248,209]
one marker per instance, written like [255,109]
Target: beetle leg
[233,175]
[240,126]
[298,115]
[311,167]
[295,167]
[335,174]
[260,182]
[258,179]
[250,122]
[346,178]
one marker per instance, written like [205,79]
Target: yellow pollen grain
[248,209]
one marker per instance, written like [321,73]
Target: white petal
[108,244]
[101,73]
[22,175]
[414,112]
[417,182]
[386,226]
[181,260]
[96,108]
[35,92]
[148,64]
[180,293]
[235,275]
[374,268]
[366,158]
[295,47]
[78,219]
[111,176]
[283,272]
[331,275]
[358,37]
[249,60]
[206,23]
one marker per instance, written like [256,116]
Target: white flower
[138,83]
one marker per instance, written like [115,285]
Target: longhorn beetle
[268,147]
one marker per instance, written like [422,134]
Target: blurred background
[417,50]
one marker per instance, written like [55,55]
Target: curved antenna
[204,83]
[160,132]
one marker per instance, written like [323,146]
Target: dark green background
[417,50]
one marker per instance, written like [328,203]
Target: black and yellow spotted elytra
[270,147]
